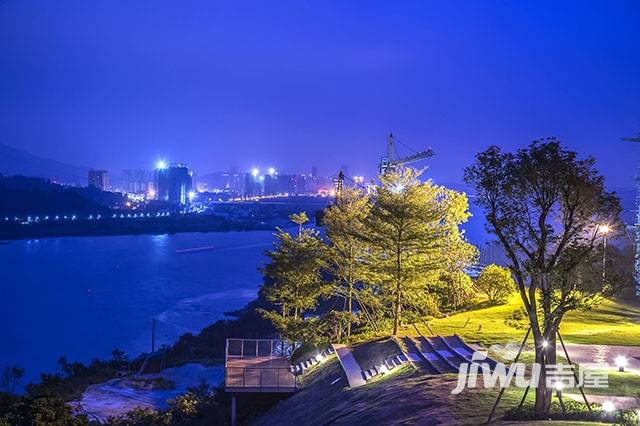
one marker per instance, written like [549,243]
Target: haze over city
[118,85]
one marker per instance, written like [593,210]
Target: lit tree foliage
[295,269]
[346,250]
[454,288]
[408,229]
[496,282]
[544,205]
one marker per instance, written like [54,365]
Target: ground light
[621,362]
[559,386]
[608,407]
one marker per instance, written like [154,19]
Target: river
[81,297]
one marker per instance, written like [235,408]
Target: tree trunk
[350,308]
[544,357]
[396,319]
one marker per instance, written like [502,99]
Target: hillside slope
[18,162]
[402,396]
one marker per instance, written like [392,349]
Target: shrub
[496,282]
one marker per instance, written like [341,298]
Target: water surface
[81,297]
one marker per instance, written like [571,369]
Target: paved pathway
[351,368]
[603,355]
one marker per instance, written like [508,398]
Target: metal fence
[260,378]
[240,348]
[259,365]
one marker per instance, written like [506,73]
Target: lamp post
[604,230]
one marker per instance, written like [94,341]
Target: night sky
[119,84]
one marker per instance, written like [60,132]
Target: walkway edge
[350,366]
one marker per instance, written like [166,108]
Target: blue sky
[118,84]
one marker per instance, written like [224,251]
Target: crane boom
[388,163]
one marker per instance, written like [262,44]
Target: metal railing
[244,348]
[260,378]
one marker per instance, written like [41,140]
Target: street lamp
[604,229]
[621,363]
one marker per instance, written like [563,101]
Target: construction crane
[636,271]
[389,164]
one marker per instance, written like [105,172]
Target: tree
[299,219]
[544,205]
[407,229]
[456,286]
[496,282]
[345,252]
[295,269]
[11,378]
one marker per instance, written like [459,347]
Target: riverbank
[178,223]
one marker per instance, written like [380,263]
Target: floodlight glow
[621,362]
[608,406]
[151,193]
[604,229]
[272,171]
[397,188]
[192,195]
[161,165]
[545,343]
[255,172]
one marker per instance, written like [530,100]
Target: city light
[272,171]
[161,165]
[192,195]
[255,172]
[151,194]
[621,362]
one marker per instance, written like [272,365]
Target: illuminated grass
[612,323]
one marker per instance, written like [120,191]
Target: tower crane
[389,164]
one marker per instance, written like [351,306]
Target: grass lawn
[611,323]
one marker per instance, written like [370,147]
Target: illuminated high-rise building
[173,183]
[99,179]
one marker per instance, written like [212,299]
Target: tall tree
[407,229]
[344,224]
[545,206]
[295,270]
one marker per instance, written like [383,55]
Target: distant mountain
[18,162]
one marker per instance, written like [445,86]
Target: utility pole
[338,183]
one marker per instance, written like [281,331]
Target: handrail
[261,381]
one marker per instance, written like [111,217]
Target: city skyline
[127,84]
